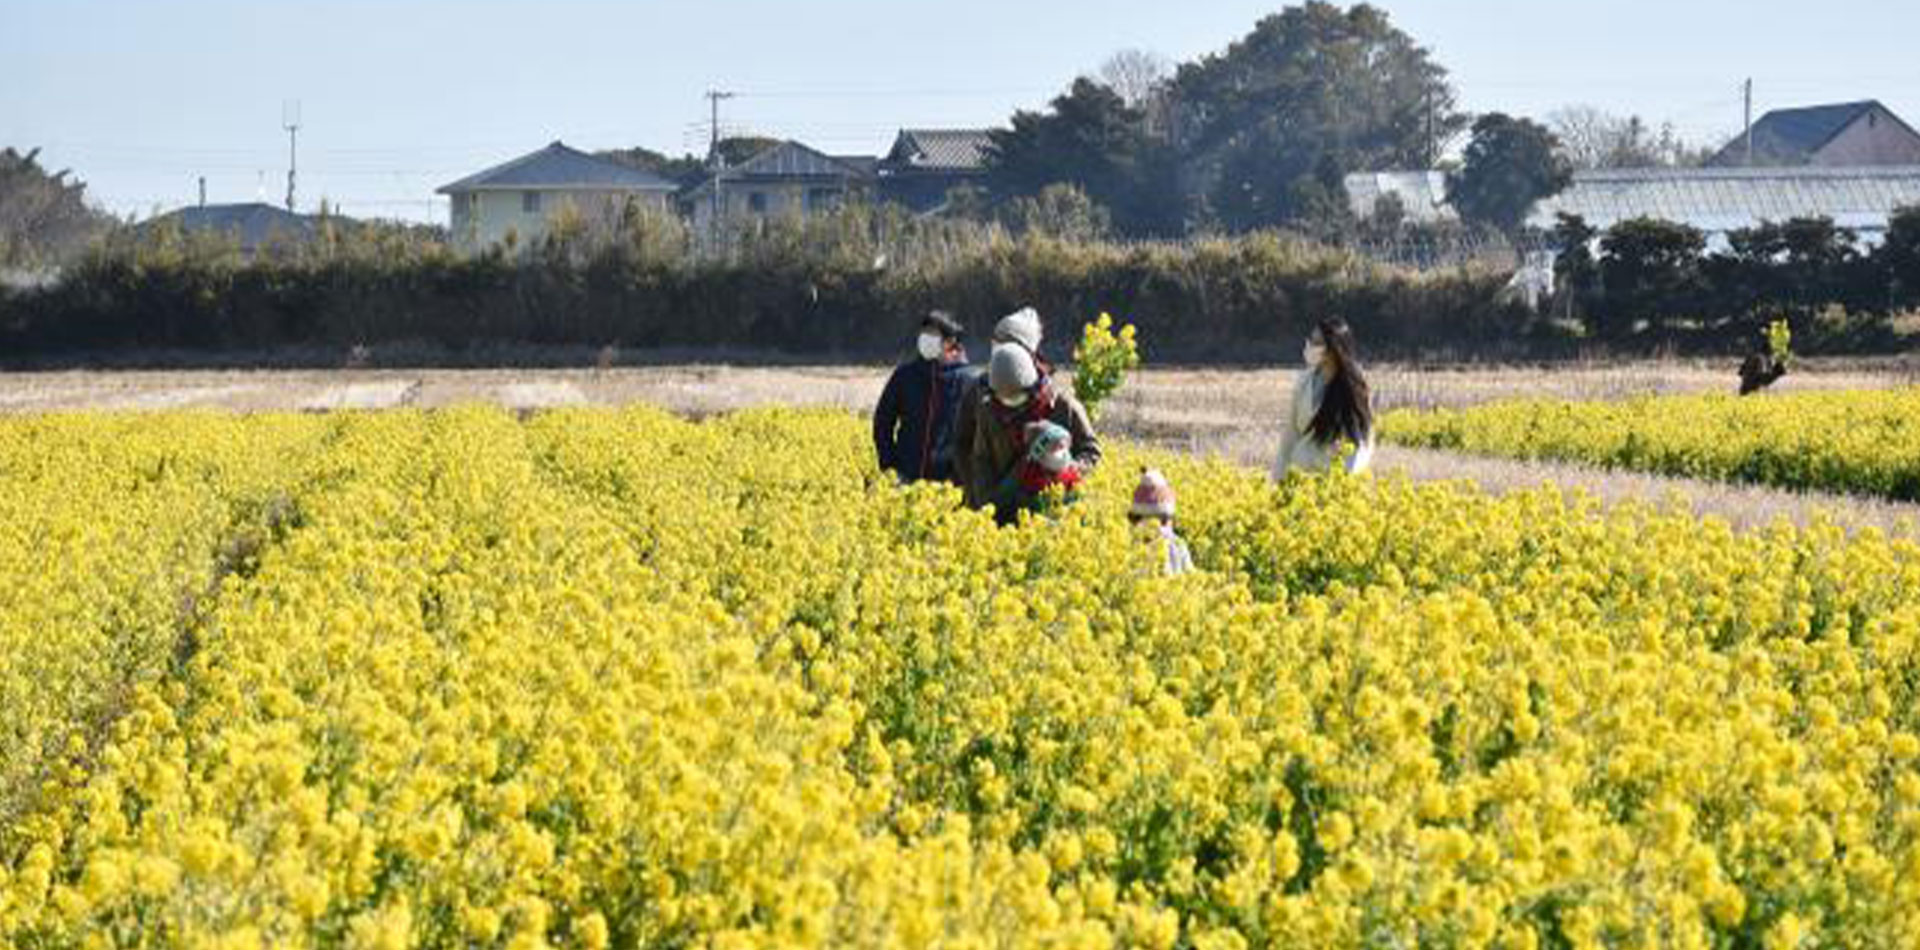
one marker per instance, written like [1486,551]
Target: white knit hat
[1011,370]
[1154,496]
[1021,326]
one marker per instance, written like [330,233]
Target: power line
[894,93]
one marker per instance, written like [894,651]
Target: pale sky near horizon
[139,97]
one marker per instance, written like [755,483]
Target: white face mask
[930,345]
[1313,353]
[1012,400]
[1056,461]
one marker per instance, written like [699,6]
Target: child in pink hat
[1153,504]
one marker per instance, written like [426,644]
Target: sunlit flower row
[1859,442]
[596,678]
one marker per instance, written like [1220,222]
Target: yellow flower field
[595,678]
[1860,442]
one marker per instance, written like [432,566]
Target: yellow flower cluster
[110,529]
[598,678]
[1861,442]
[1102,361]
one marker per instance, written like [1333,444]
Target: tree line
[1651,279]
[841,284]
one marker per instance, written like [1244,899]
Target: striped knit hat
[1153,498]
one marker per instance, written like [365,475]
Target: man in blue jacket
[913,424]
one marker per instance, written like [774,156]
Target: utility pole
[1431,145]
[1747,88]
[714,158]
[290,120]
[203,191]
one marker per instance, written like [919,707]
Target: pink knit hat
[1153,498]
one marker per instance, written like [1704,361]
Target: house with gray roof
[924,164]
[785,179]
[1842,134]
[519,197]
[251,226]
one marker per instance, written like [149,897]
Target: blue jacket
[913,424]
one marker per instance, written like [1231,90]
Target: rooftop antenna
[290,120]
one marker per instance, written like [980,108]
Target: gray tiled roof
[1722,199]
[866,166]
[558,166]
[791,160]
[943,149]
[250,224]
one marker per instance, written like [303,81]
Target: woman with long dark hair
[1332,407]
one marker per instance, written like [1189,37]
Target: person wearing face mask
[1019,393]
[1020,328]
[913,422]
[1331,409]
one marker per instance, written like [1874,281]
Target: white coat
[1298,448]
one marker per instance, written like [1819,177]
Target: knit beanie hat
[1154,497]
[1021,326]
[1011,370]
[1050,445]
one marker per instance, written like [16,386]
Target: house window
[530,202]
[757,202]
[822,199]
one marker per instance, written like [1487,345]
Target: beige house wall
[484,218]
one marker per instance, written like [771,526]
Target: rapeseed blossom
[608,679]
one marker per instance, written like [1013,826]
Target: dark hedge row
[848,284]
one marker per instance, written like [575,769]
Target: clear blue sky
[139,97]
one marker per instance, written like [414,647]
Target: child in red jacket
[1047,464]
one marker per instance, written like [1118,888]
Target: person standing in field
[1020,328]
[913,422]
[1018,394]
[1152,514]
[1331,408]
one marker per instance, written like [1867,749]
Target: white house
[519,197]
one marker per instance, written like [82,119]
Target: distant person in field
[913,422]
[996,437]
[1048,465]
[1331,409]
[1760,369]
[1152,515]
